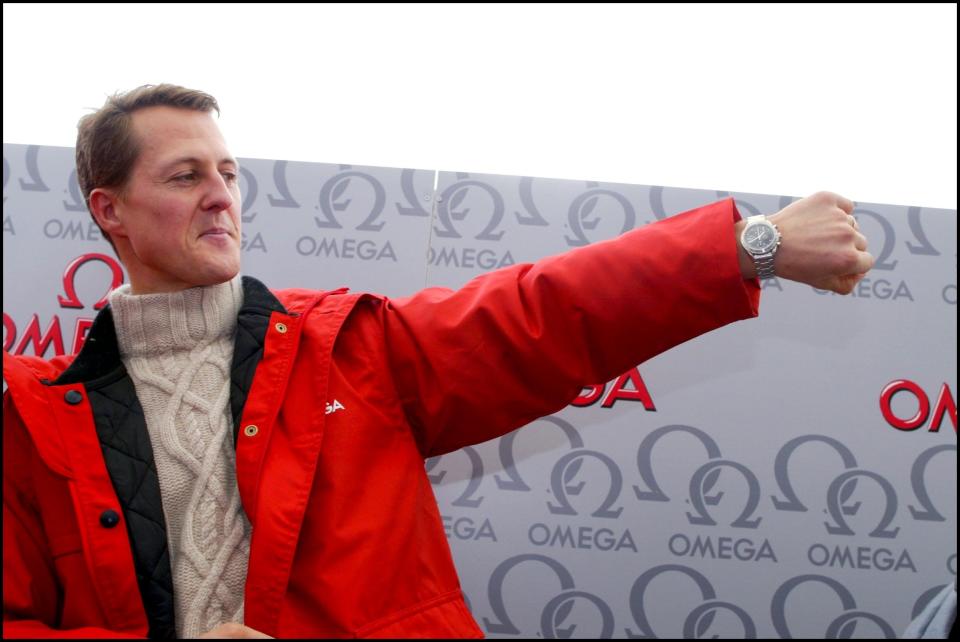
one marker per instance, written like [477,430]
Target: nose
[219,195]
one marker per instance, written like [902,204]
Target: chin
[217,276]
[225,276]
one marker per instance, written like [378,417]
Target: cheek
[169,232]
[236,208]
[163,243]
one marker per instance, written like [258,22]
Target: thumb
[845,204]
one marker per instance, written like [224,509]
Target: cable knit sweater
[177,348]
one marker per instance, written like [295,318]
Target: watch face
[759,238]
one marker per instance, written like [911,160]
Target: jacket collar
[100,355]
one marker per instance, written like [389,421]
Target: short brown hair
[106,148]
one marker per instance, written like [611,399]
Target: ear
[103,204]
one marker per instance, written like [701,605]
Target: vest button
[109,518]
[73,397]
[251,431]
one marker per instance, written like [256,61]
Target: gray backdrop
[789,476]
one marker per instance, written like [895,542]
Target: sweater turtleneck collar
[154,324]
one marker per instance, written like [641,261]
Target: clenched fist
[821,244]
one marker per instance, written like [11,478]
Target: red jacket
[348,394]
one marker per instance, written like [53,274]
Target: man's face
[178,220]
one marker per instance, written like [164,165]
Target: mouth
[216,231]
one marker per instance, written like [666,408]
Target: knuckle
[825,196]
[849,261]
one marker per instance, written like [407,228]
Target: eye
[230,176]
[185,178]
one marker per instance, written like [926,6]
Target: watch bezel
[767,248]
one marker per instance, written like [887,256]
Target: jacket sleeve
[521,342]
[31,593]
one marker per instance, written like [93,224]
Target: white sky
[859,99]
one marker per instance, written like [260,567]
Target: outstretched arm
[521,342]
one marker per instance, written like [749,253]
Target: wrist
[747,266]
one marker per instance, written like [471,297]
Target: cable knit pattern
[178,348]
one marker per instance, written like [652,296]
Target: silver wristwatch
[761,238]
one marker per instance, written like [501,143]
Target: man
[225,460]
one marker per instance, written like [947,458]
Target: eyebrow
[194,160]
